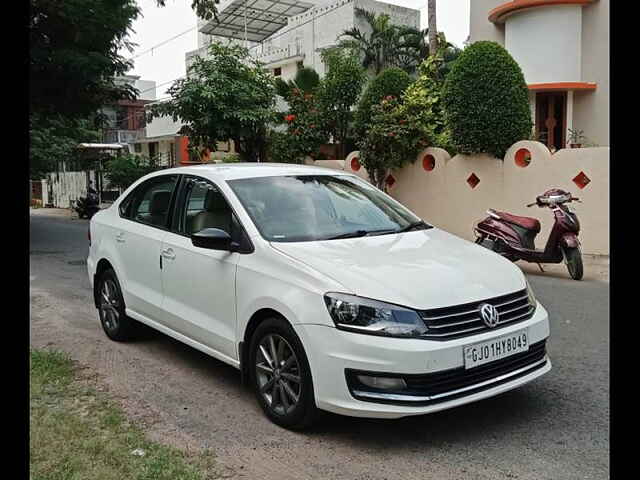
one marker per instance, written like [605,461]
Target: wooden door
[551,118]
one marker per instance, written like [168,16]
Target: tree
[205,9]
[422,104]
[55,139]
[72,64]
[433,30]
[305,125]
[338,92]
[486,100]
[386,45]
[392,81]
[123,170]
[306,80]
[73,54]
[449,53]
[227,95]
[390,140]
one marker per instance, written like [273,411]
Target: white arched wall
[547,43]
[443,196]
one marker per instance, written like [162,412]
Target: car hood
[422,269]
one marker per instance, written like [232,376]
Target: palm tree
[306,80]
[433,30]
[411,48]
[387,45]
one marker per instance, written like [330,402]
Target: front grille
[462,320]
[448,385]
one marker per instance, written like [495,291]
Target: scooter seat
[524,222]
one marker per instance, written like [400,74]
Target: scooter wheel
[573,260]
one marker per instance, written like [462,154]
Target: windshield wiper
[413,225]
[358,233]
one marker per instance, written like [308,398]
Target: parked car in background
[325,292]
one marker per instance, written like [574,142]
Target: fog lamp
[383,383]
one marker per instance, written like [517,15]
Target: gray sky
[166,62]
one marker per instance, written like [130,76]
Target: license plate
[496,348]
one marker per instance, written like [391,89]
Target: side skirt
[181,338]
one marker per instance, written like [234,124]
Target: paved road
[556,427]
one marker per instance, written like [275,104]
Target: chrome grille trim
[475,310]
[462,320]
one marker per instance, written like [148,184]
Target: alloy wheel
[278,374]
[109,304]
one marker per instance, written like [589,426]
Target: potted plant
[575,138]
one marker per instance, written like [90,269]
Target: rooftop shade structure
[261,18]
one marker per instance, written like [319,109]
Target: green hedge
[486,100]
[391,81]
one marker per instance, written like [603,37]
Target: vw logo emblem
[489,314]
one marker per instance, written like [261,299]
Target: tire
[573,260]
[293,363]
[113,318]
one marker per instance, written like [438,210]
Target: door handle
[120,237]
[168,253]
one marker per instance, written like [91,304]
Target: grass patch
[78,433]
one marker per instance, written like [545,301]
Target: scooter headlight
[363,315]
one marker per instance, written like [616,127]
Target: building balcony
[274,57]
[124,136]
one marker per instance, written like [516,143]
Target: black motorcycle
[87,206]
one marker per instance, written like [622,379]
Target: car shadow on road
[515,410]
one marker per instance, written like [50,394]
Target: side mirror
[213,239]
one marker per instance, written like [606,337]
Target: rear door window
[150,202]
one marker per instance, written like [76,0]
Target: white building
[562,47]
[125,120]
[285,35]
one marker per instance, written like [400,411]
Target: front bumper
[333,352]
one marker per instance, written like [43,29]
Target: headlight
[532,298]
[363,315]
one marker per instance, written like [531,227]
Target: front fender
[569,240]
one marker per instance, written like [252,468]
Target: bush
[390,82]
[306,80]
[422,104]
[339,91]
[281,148]
[486,101]
[390,140]
[125,169]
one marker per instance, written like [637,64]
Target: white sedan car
[326,293]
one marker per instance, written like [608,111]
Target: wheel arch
[103,264]
[255,320]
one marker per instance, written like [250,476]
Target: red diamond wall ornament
[581,180]
[473,180]
[390,180]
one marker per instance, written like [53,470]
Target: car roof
[234,171]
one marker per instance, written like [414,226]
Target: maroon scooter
[513,237]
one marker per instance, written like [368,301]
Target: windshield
[320,207]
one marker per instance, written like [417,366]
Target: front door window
[551,119]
